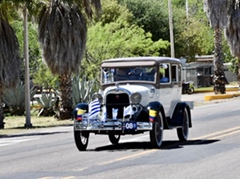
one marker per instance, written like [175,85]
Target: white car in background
[138,94]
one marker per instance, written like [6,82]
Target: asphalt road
[212,151]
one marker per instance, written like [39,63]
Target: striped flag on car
[94,109]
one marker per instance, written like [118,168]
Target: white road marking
[16,140]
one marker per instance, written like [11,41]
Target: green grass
[234,83]
[204,89]
[16,124]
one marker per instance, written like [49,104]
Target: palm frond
[62,33]
[9,56]
[232,31]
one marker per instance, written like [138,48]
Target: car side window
[175,73]
[164,72]
[179,73]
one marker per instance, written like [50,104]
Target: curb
[220,96]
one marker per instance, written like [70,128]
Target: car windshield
[137,73]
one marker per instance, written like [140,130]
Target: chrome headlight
[136,98]
[97,96]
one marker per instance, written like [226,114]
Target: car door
[165,86]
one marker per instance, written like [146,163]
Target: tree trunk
[238,71]
[219,76]
[1,113]
[66,96]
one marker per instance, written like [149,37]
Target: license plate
[129,126]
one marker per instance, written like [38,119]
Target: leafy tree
[113,11]
[117,39]
[44,78]
[34,48]
[151,16]
[62,34]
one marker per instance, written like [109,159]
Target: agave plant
[14,98]
[47,101]
[83,89]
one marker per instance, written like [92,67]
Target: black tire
[81,140]
[184,130]
[114,139]
[156,133]
[190,90]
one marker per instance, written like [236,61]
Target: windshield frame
[131,75]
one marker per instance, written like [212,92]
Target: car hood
[147,91]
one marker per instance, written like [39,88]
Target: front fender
[80,106]
[153,109]
[155,105]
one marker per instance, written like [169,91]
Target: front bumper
[113,126]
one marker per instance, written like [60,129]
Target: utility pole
[27,84]
[187,9]
[171,28]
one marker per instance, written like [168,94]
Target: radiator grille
[116,101]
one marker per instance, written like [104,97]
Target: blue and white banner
[114,113]
[104,114]
[94,109]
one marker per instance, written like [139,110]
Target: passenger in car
[121,74]
[163,79]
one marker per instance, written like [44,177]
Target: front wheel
[190,90]
[114,139]
[156,133]
[81,140]
[183,131]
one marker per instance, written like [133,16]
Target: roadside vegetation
[15,124]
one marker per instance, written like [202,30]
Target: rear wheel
[183,131]
[156,133]
[114,139]
[81,140]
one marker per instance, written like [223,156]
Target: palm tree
[233,30]
[11,6]
[62,34]
[9,57]
[217,11]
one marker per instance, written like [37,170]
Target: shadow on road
[166,145]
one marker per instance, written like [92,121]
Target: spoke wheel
[156,133]
[183,131]
[114,139]
[81,140]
